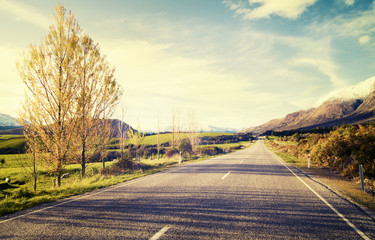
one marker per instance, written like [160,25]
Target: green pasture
[11,141]
[16,141]
[228,145]
[166,137]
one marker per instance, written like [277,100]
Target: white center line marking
[226,175]
[360,233]
[160,233]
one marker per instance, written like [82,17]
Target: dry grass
[349,188]
[344,186]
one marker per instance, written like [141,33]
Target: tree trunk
[83,161]
[59,180]
[34,175]
[101,156]
[34,166]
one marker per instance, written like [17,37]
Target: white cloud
[364,39]
[354,25]
[11,91]
[281,56]
[349,2]
[257,9]
[26,13]
[325,66]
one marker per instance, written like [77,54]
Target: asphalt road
[248,194]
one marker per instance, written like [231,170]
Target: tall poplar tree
[98,95]
[70,90]
[48,71]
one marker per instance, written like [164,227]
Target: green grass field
[11,141]
[17,141]
[228,145]
[167,137]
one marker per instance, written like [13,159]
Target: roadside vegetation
[16,172]
[335,156]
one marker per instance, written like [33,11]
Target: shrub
[111,155]
[164,144]
[149,152]
[2,162]
[210,150]
[185,147]
[171,152]
[237,147]
[96,157]
[121,165]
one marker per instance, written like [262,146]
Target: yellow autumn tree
[70,90]
[48,71]
[97,96]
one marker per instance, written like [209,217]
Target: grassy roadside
[348,188]
[18,194]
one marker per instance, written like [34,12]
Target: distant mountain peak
[7,121]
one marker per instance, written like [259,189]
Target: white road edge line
[226,175]
[360,233]
[160,233]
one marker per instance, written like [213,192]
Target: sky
[231,63]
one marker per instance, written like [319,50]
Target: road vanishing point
[249,194]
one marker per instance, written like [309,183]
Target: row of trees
[71,91]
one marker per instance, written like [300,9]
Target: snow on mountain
[209,128]
[203,128]
[7,121]
[358,91]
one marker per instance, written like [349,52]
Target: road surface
[249,194]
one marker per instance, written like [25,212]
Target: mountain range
[201,128]
[350,105]
[8,125]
